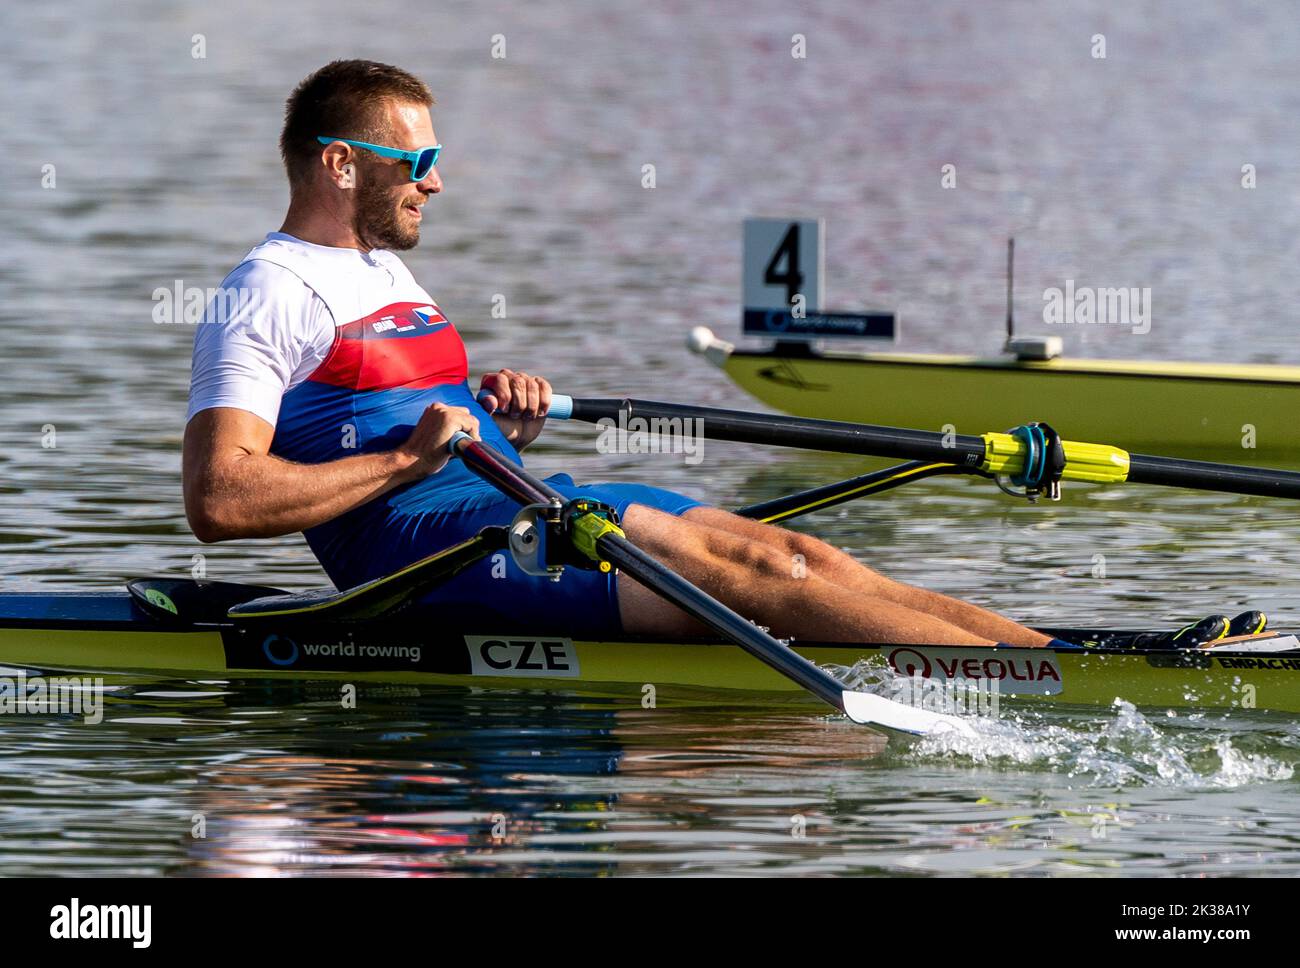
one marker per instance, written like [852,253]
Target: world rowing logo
[777,320]
[280,650]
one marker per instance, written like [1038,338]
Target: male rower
[323,398]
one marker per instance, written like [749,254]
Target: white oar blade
[871,710]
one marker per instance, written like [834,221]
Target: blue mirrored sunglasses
[421,161]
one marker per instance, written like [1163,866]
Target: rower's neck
[318,224]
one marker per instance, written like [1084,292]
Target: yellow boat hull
[686,669]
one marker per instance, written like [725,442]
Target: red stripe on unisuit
[405,344]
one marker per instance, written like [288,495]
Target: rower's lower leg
[841,569]
[759,582]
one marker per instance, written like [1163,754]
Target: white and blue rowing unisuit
[341,351]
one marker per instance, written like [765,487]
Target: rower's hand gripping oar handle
[561,404]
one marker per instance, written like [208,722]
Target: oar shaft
[991,453]
[781,431]
[505,475]
[1233,478]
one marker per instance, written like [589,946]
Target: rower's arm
[235,488]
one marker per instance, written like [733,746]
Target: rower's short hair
[344,99]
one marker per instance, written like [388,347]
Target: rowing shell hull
[1185,409]
[109,633]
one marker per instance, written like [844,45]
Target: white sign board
[783,258]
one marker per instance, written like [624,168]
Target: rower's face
[389,204]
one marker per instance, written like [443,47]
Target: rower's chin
[405,234]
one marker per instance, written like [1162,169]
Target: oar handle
[561,407]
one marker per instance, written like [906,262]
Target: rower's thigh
[681,545]
[719,559]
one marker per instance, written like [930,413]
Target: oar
[992,453]
[600,540]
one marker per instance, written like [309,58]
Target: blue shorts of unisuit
[494,593]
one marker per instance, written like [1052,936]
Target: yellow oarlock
[1095,463]
[588,529]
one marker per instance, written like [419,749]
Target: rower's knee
[754,558]
[813,552]
[808,557]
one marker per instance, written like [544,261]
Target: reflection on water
[262,778]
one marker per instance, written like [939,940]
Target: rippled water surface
[1124,171]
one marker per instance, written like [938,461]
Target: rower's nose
[431,183]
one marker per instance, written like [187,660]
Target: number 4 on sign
[784,268]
